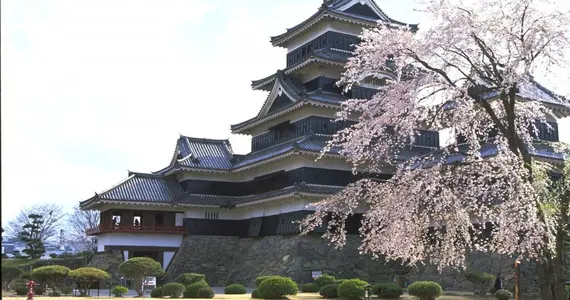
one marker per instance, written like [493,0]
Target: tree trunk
[551,278]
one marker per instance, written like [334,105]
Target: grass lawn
[300,296]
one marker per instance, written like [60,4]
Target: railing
[136,229]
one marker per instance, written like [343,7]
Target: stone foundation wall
[226,260]
[108,261]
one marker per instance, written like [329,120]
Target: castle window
[211,215]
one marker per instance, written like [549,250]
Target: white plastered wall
[138,239]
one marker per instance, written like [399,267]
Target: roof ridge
[116,185]
[189,138]
[142,174]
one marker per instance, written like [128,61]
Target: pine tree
[31,236]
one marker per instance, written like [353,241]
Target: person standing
[498,282]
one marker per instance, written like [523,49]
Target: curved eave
[287,154]
[280,40]
[87,204]
[244,127]
[264,83]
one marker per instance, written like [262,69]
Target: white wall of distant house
[139,239]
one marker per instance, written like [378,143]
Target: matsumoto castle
[209,192]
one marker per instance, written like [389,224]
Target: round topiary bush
[387,290]
[205,293]
[255,294]
[191,290]
[53,275]
[21,291]
[324,280]
[352,289]
[339,281]
[173,290]
[503,294]
[39,290]
[119,291]
[425,290]
[310,288]
[189,278]
[259,279]
[86,277]
[157,292]
[277,287]
[235,289]
[329,291]
[138,269]
[9,274]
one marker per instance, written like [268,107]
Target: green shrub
[50,275]
[26,275]
[66,290]
[352,289]
[119,291]
[173,290]
[189,278]
[39,290]
[481,280]
[86,277]
[21,291]
[324,280]
[8,275]
[339,281]
[259,279]
[138,269]
[568,292]
[503,294]
[329,291]
[191,290]
[387,290]
[277,287]
[310,288]
[235,289]
[205,292]
[425,290]
[157,292]
[255,294]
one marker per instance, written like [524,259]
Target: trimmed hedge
[173,289]
[157,292]
[119,291]
[235,289]
[189,278]
[387,290]
[503,294]
[9,274]
[329,291]
[21,291]
[352,289]
[277,287]
[425,290]
[310,288]
[324,280]
[191,290]
[255,294]
[259,279]
[205,293]
[339,281]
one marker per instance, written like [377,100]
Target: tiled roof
[140,187]
[332,9]
[324,55]
[204,153]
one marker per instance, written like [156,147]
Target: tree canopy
[470,76]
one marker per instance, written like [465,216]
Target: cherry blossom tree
[468,75]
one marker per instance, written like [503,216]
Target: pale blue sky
[93,88]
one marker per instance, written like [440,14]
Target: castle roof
[328,56]
[361,12]
[216,155]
